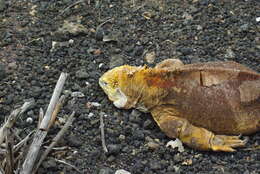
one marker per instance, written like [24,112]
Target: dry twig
[56,110]
[42,131]
[12,118]
[54,99]
[9,152]
[76,3]
[74,167]
[1,170]
[103,133]
[55,140]
[41,114]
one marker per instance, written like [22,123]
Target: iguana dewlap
[201,104]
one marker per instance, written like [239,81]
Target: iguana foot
[193,136]
[226,143]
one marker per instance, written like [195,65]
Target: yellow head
[112,83]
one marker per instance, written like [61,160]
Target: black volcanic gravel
[191,30]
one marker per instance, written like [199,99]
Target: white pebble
[122,171]
[96,104]
[77,94]
[90,115]
[100,65]
[257,19]
[177,143]
[29,120]
[71,41]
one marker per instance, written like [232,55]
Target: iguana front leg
[194,137]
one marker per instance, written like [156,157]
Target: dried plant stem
[9,152]
[103,133]
[41,115]
[41,133]
[54,99]
[76,3]
[74,167]
[55,140]
[1,170]
[56,110]
[12,118]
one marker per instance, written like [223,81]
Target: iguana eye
[103,83]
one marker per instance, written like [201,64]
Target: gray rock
[36,91]
[2,70]
[116,60]
[49,164]
[150,57]
[147,124]
[186,51]
[74,141]
[77,94]
[9,99]
[114,148]
[244,27]
[106,171]
[178,158]
[135,116]
[153,145]
[230,54]
[12,65]
[82,74]
[138,50]
[121,137]
[99,34]
[111,158]
[155,165]
[138,135]
[2,5]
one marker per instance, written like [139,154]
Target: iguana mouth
[121,99]
[116,95]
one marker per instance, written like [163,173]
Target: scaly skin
[191,102]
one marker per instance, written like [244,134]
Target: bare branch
[24,141]
[1,170]
[41,133]
[103,133]
[9,152]
[56,110]
[41,114]
[74,167]
[13,117]
[55,140]
[76,3]
[54,100]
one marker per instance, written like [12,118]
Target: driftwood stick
[41,114]
[20,148]
[13,117]
[76,3]
[22,142]
[54,100]
[56,110]
[33,152]
[74,167]
[55,140]
[9,152]
[1,170]
[103,133]
[41,133]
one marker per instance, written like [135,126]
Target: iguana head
[113,82]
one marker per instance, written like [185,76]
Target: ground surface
[193,31]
